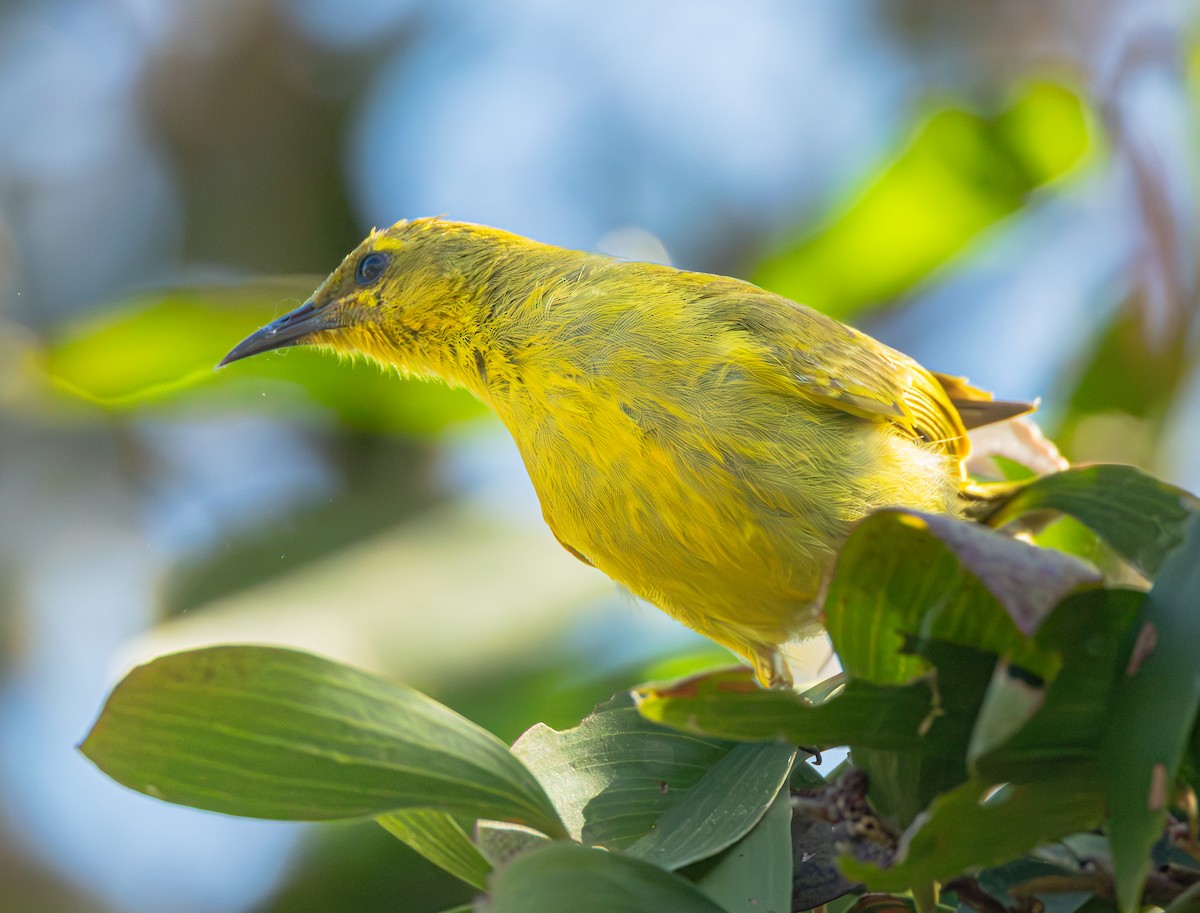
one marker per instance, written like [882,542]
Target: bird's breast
[708,506]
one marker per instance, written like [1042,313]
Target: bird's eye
[370,268]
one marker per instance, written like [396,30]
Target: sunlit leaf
[265,732]
[161,349]
[161,344]
[911,739]
[568,878]
[1152,715]
[440,839]
[729,704]
[1141,517]
[903,574]
[960,174]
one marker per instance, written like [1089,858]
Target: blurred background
[1005,190]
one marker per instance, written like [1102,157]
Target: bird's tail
[998,428]
[976,407]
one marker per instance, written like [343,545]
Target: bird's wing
[806,352]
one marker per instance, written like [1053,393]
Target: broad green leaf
[907,582]
[911,738]
[615,774]
[969,827]
[960,173]
[729,704]
[567,878]
[618,777]
[266,732]
[1062,737]
[903,781]
[905,574]
[1139,516]
[441,840]
[162,347]
[755,874]
[720,809]
[160,344]
[1152,715]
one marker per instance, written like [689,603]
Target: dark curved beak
[292,329]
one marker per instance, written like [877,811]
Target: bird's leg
[769,666]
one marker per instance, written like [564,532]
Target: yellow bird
[704,442]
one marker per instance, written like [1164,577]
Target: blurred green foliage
[158,348]
[961,173]
[965,173]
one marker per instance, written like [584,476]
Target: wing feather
[818,357]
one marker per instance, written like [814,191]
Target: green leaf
[903,780]
[720,809]
[567,878]
[960,173]
[906,582]
[164,347]
[729,704]
[440,839]
[911,738]
[968,828]
[161,344]
[1063,735]
[1141,517]
[755,874]
[266,732]
[905,574]
[1152,715]
[617,778]
[614,775]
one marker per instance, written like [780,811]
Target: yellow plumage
[702,441]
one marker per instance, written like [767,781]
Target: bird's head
[406,296]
